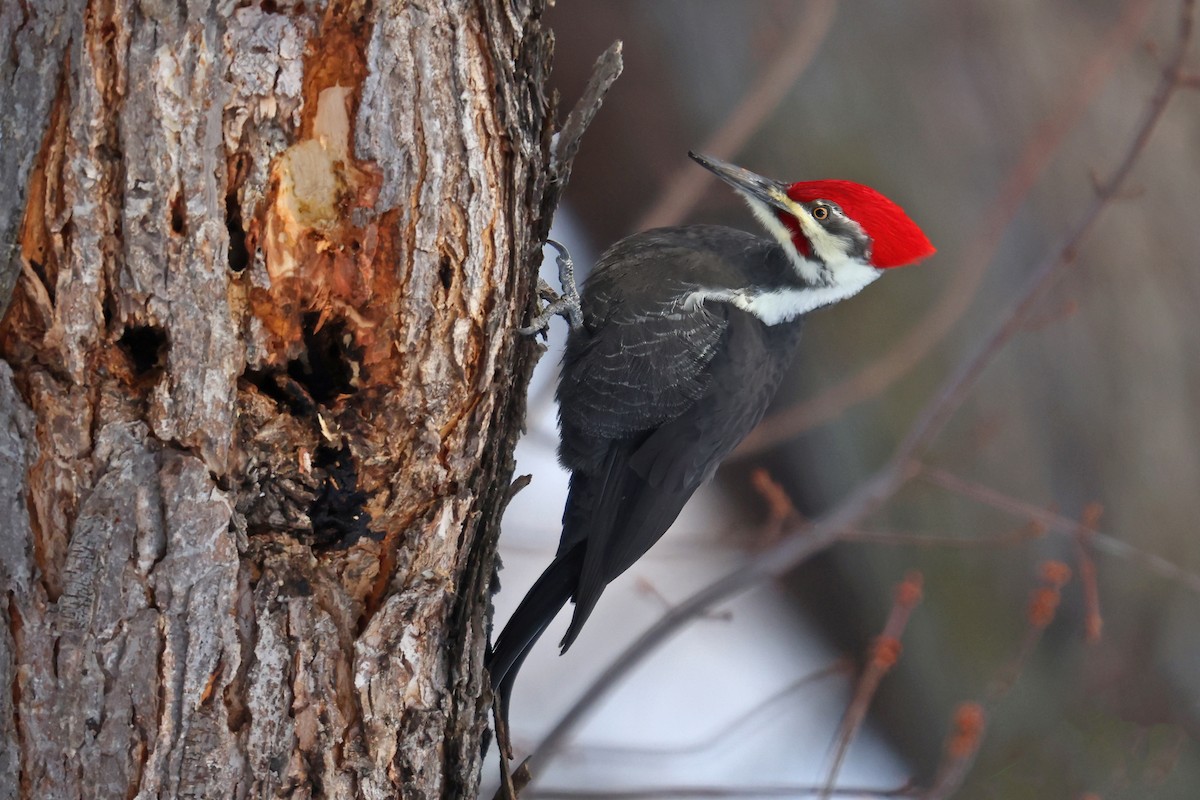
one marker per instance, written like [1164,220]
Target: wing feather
[655,391]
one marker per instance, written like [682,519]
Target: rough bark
[260,388]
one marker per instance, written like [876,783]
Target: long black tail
[540,605]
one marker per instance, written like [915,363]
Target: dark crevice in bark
[283,389]
[338,515]
[178,215]
[146,346]
[239,251]
[239,254]
[14,633]
[329,365]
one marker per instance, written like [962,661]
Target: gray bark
[260,388]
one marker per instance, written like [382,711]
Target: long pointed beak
[765,190]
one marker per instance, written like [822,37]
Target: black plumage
[656,389]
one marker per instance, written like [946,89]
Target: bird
[681,339]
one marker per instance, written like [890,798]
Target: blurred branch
[1028,532]
[875,491]
[793,549]
[885,652]
[783,69]
[782,513]
[1043,606]
[962,744]
[1103,542]
[1084,533]
[970,718]
[980,251]
[1047,275]
[742,720]
[647,587]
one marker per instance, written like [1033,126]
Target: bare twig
[1025,533]
[1102,542]
[787,553]
[1084,533]
[965,279]
[685,186]
[1047,275]
[566,144]
[1043,605]
[781,512]
[885,652]
[729,729]
[645,586]
[606,70]
[970,719]
[962,744]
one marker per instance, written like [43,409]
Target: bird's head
[828,226]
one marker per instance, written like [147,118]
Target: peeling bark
[260,389]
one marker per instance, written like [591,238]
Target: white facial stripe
[810,271]
[825,244]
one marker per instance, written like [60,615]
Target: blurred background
[990,123]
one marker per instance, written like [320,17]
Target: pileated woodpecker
[685,335]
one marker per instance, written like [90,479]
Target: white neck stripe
[774,306]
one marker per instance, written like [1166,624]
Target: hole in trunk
[178,215]
[146,346]
[239,255]
[328,367]
[337,514]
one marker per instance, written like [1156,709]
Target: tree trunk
[260,388]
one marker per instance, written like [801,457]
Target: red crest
[895,238]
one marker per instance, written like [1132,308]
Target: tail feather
[534,614]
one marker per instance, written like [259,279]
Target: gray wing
[617,512]
[641,357]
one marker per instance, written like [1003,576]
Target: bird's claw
[566,304]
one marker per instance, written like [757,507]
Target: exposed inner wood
[261,390]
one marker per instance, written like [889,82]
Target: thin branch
[1047,275]
[647,587]
[728,730]
[970,719]
[958,754]
[606,70]
[1103,542]
[1043,606]
[784,68]
[981,249]
[885,652]
[1017,536]
[1084,533]
[781,511]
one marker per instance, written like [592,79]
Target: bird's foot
[566,304]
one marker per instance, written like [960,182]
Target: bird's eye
[820,213]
